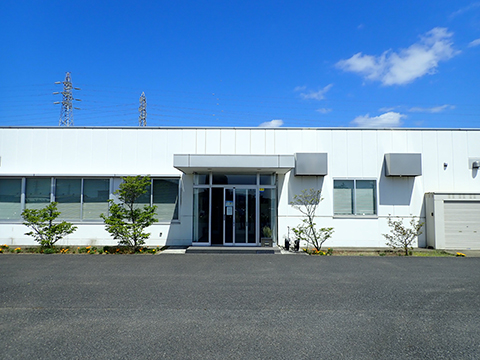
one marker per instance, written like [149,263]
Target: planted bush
[307,203]
[127,219]
[402,236]
[45,230]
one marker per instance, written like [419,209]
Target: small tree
[307,203]
[128,219]
[44,230]
[401,236]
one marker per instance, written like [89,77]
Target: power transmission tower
[142,111]
[66,112]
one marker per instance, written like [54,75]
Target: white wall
[352,153]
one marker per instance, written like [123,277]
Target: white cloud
[300,88]
[323,110]
[387,109]
[403,67]
[389,119]
[432,110]
[271,124]
[474,43]
[314,95]
[465,9]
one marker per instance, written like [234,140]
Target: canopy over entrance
[192,163]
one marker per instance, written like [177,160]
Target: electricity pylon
[142,111]
[66,112]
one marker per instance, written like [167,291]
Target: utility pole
[142,111]
[66,112]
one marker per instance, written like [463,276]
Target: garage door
[462,225]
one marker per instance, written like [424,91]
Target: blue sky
[243,63]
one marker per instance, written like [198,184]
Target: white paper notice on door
[229,210]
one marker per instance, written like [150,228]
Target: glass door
[245,216]
[229,217]
[240,216]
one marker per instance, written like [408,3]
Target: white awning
[191,163]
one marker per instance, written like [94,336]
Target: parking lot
[207,306]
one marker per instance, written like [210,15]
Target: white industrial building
[223,186]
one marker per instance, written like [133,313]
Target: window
[237,179]
[95,198]
[37,192]
[162,193]
[165,197]
[354,197]
[68,194]
[267,179]
[10,199]
[82,199]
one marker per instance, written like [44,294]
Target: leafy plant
[314,251]
[402,236]
[307,203]
[44,229]
[127,219]
[87,250]
[267,232]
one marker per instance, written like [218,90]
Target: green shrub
[44,230]
[126,220]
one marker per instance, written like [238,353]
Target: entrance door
[240,216]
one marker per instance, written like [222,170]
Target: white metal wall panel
[146,142]
[280,141]
[213,141]
[201,141]
[371,159]
[354,160]
[414,141]
[384,142]
[189,139]
[473,145]
[323,140]
[128,157]
[337,164]
[227,139]
[174,144]
[257,142]
[445,155]
[308,140]
[242,142]
[462,224]
[270,141]
[399,141]
[430,162]
[293,142]
[460,172]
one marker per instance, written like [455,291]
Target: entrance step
[233,250]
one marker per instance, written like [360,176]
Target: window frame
[354,198]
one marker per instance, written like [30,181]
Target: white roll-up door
[462,225]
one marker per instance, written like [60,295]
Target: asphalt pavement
[238,306]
